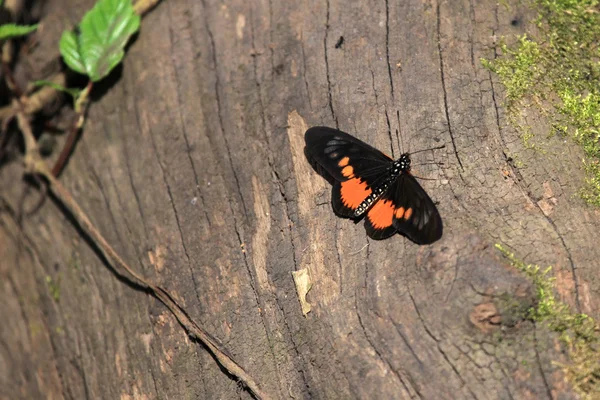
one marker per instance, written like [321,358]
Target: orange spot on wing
[353,192]
[399,212]
[343,162]
[408,213]
[381,214]
[348,172]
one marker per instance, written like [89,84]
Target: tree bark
[191,164]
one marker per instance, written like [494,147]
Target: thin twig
[44,96]
[7,55]
[80,110]
[35,165]
[141,7]
[4,134]
[14,8]
[6,112]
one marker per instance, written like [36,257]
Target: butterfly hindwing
[422,225]
[346,196]
[379,221]
[405,208]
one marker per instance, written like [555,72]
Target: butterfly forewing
[343,156]
[354,166]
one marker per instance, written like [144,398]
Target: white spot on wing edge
[260,239]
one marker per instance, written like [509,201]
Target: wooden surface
[192,166]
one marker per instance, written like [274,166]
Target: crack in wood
[407,344]
[437,341]
[219,111]
[337,125]
[472,32]
[443,79]
[130,176]
[539,363]
[176,214]
[379,355]
[184,132]
[387,46]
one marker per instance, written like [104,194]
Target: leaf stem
[81,104]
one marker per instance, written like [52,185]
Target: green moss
[53,287]
[591,193]
[557,71]
[579,333]
[519,69]
[518,163]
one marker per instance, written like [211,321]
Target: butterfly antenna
[438,163]
[424,179]
[431,148]
[398,133]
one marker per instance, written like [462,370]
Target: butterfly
[369,184]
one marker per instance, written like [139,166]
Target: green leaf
[98,46]
[69,48]
[8,31]
[74,92]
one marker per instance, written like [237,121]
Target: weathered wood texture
[192,166]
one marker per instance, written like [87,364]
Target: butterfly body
[401,165]
[369,184]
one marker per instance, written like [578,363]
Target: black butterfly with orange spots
[369,184]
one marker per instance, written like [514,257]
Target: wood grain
[191,165]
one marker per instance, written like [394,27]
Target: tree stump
[191,164]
